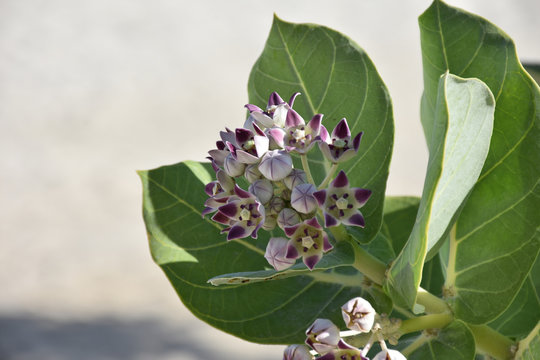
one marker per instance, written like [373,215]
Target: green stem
[491,342]
[305,165]
[421,340]
[487,340]
[328,177]
[432,321]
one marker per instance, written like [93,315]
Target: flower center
[307,242]
[342,203]
[339,143]
[248,145]
[245,214]
[299,134]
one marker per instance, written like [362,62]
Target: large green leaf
[462,128]
[454,342]
[336,78]
[191,250]
[524,312]
[529,348]
[497,238]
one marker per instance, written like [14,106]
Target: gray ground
[90,91]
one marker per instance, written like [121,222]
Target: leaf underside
[462,128]
[455,341]
[497,237]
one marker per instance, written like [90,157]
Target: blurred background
[91,91]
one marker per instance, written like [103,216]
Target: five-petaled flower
[308,240]
[340,202]
[339,147]
[243,213]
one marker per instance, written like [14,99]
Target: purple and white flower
[322,336]
[299,136]
[308,240]
[297,352]
[339,147]
[243,213]
[340,202]
[358,314]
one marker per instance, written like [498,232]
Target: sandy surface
[90,91]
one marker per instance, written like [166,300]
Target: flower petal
[294,119]
[320,196]
[312,260]
[355,219]
[275,99]
[341,180]
[341,131]
[356,141]
[361,195]
[329,220]
[237,231]
[293,97]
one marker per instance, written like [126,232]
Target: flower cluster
[280,195]
[324,338]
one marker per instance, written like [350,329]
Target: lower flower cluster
[280,195]
[326,343]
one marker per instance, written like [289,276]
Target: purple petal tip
[340,180]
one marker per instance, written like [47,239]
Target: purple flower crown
[280,195]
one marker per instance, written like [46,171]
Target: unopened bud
[275,254]
[296,177]
[233,167]
[276,165]
[288,217]
[262,189]
[276,205]
[252,173]
[270,223]
[302,199]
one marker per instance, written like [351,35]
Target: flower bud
[233,167]
[322,336]
[296,177]
[302,199]
[252,173]
[297,352]
[263,190]
[288,217]
[275,205]
[358,314]
[389,355]
[270,223]
[275,254]
[276,165]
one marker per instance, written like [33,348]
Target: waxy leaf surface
[191,250]
[462,128]
[454,342]
[497,238]
[336,78]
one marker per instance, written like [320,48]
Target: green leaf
[190,250]
[461,130]
[454,342]
[523,314]
[336,78]
[497,238]
[529,348]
